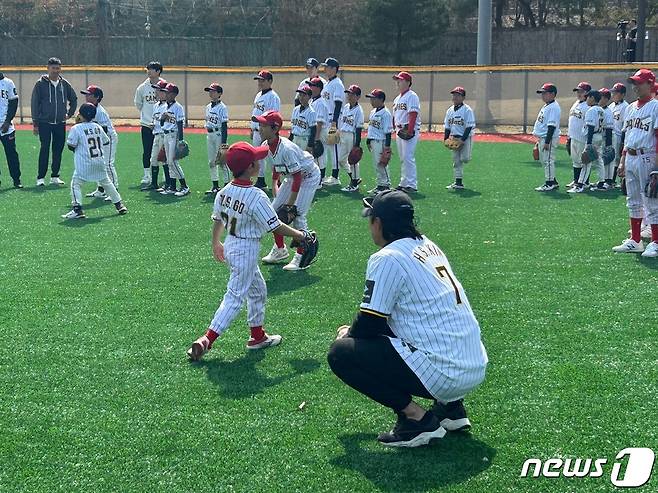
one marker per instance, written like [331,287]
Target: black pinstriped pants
[13,162]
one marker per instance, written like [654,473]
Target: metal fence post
[185,98]
[86,77]
[525,102]
[429,117]
[20,91]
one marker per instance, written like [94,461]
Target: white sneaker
[455,186]
[629,246]
[319,187]
[330,181]
[646,233]
[294,263]
[276,255]
[107,199]
[350,188]
[97,194]
[651,250]
[146,179]
[182,192]
[168,191]
[73,214]
[56,181]
[571,184]
[546,188]
[266,341]
[577,189]
[41,182]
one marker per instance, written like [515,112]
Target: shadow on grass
[465,193]
[158,198]
[610,195]
[282,281]
[649,263]
[240,379]
[453,459]
[81,223]
[557,195]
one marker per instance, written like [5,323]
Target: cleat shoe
[454,186]
[452,415]
[651,250]
[73,214]
[571,184]
[199,347]
[55,180]
[18,184]
[121,209]
[276,255]
[212,191]
[411,433]
[377,190]
[598,187]
[645,234]
[146,180]
[41,182]
[330,181]
[409,190]
[266,341]
[294,263]
[319,187]
[107,199]
[97,194]
[629,246]
[577,189]
[350,188]
[168,191]
[182,192]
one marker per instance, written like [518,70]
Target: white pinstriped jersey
[176,114]
[265,101]
[158,108]
[593,117]
[88,138]
[289,159]
[216,115]
[103,119]
[640,125]
[333,91]
[351,118]
[7,93]
[302,120]
[577,120]
[549,115]
[410,282]
[321,113]
[403,104]
[307,81]
[618,111]
[458,119]
[245,210]
[608,118]
[380,123]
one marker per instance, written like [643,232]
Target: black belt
[638,152]
[213,130]
[169,131]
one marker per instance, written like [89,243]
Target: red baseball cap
[264,75]
[354,89]
[403,76]
[459,90]
[305,90]
[619,87]
[171,87]
[605,92]
[548,87]
[583,86]
[270,117]
[377,93]
[655,88]
[643,75]
[94,90]
[214,87]
[241,154]
[161,85]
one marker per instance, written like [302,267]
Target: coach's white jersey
[411,283]
[593,117]
[608,119]
[145,99]
[458,119]
[351,118]
[103,119]
[175,113]
[289,159]
[640,125]
[265,101]
[577,120]
[320,109]
[380,123]
[88,138]
[333,91]
[216,114]
[158,109]
[302,120]
[245,210]
[7,93]
[403,104]
[549,115]
[618,111]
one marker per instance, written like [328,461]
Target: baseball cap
[93,90]
[214,87]
[595,94]
[643,75]
[88,111]
[548,87]
[403,76]
[605,92]
[305,90]
[171,87]
[583,86]
[161,85]
[459,90]
[619,87]
[316,82]
[655,88]
[154,66]
[312,62]
[241,154]
[377,93]
[331,62]
[390,204]
[264,75]
[353,89]
[269,118]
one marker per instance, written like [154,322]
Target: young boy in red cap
[350,126]
[459,124]
[406,119]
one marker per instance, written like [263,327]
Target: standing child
[608,128]
[217,128]
[266,99]
[406,121]
[87,140]
[333,95]
[321,123]
[378,140]
[593,138]
[158,140]
[303,125]
[246,214]
[547,131]
[618,108]
[575,140]
[173,120]
[459,124]
[350,126]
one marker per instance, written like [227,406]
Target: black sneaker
[452,415]
[151,186]
[18,184]
[212,191]
[410,433]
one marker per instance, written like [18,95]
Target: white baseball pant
[245,282]
[547,157]
[175,170]
[304,197]
[637,170]
[257,140]
[597,143]
[322,160]
[461,157]
[158,143]
[407,153]
[301,142]
[577,148]
[76,189]
[610,167]
[332,152]
[213,143]
[381,172]
[110,152]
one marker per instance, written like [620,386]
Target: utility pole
[641,29]
[102,25]
[484,33]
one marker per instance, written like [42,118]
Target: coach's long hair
[402,226]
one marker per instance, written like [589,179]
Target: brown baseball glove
[220,160]
[452,143]
[385,157]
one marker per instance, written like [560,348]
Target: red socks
[636,226]
[278,240]
[211,335]
[654,232]
[257,333]
[300,250]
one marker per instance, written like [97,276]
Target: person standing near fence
[8,107]
[406,120]
[547,131]
[618,108]
[145,100]
[575,138]
[459,124]
[266,100]
[50,97]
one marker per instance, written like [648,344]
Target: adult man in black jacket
[50,96]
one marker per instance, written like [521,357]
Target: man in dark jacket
[50,96]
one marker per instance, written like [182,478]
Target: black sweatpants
[147,146]
[13,162]
[373,367]
[55,134]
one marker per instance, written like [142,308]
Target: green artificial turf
[96,394]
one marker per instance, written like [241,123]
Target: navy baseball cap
[312,62]
[390,204]
[93,90]
[331,62]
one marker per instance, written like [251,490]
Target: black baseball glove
[622,186]
[318,149]
[310,245]
[405,133]
[287,213]
[569,147]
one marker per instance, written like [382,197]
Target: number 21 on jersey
[94,146]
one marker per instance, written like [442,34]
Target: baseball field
[97,395]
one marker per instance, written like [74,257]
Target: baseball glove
[182,149]
[622,186]
[318,149]
[535,152]
[651,190]
[452,143]
[385,157]
[589,154]
[287,213]
[310,245]
[355,155]
[569,147]
[162,156]
[333,137]
[608,155]
[78,118]
[220,160]
[405,133]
